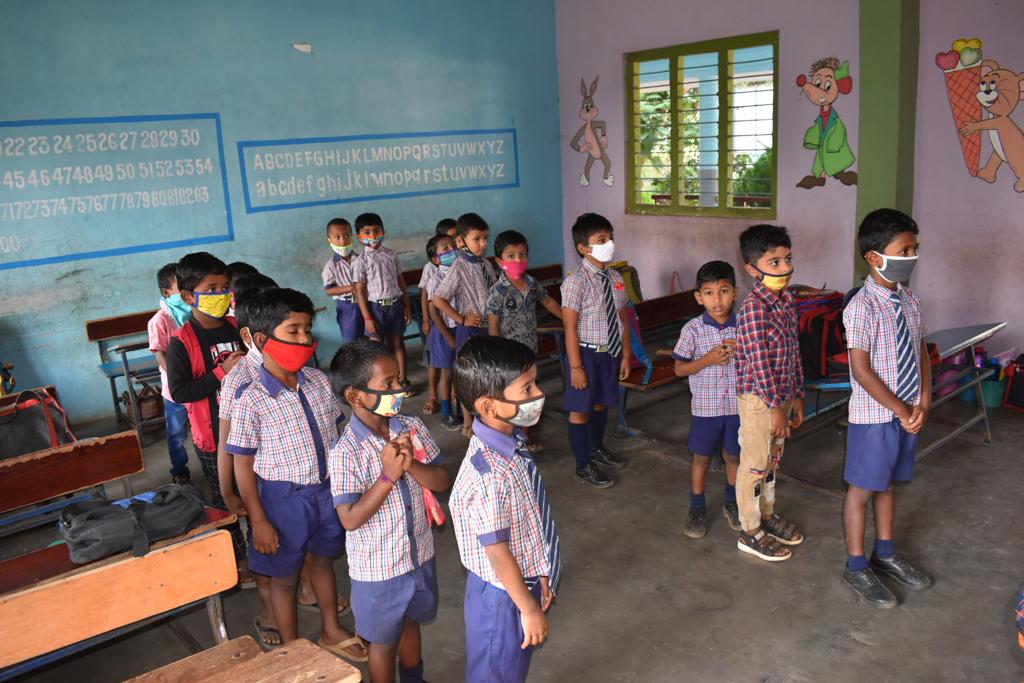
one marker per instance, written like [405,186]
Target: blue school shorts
[350,320]
[463,333]
[381,607]
[494,633]
[390,319]
[441,355]
[602,382]
[879,454]
[306,522]
[708,433]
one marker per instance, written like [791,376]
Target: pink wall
[594,36]
[972,265]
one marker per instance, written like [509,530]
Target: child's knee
[321,562]
[730,458]
[579,418]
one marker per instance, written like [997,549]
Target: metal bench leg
[622,428]
[980,398]
[215,610]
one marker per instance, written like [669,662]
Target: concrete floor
[641,602]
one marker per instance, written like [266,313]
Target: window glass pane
[751,122]
[652,133]
[698,129]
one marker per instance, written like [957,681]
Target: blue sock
[697,500]
[578,440]
[413,675]
[446,408]
[856,563]
[598,423]
[730,493]
[884,548]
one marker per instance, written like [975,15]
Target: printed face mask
[371,242]
[342,251]
[774,282]
[448,257]
[527,411]
[289,355]
[603,252]
[213,304]
[178,309]
[896,268]
[514,269]
[388,403]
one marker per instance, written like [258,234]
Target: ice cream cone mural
[962,68]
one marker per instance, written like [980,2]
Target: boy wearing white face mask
[337,277]
[597,346]
[891,377]
[382,468]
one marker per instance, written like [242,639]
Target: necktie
[906,364]
[611,314]
[554,552]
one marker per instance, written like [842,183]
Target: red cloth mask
[514,269]
[289,355]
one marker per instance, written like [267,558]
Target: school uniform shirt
[378,269]
[870,321]
[194,372]
[161,327]
[432,284]
[517,308]
[714,387]
[492,501]
[768,347]
[583,292]
[287,431]
[338,273]
[237,379]
[469,279]
[429,273]
[397,538]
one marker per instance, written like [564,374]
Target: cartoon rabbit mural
[592,137]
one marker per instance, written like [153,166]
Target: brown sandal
[344,649]
[764,546]
[783,532]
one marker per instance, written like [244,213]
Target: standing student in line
[337,278]
[597,346]
[891,377]
[381,290]
[445,228]
[441,340]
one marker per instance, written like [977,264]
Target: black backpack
[97,528]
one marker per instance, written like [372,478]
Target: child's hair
[756,240]
[337,221]
[713,271]
[509,238]
[352,365]
[444,225]
[470,221]
[192,268]
[486,365]
[167,276]
[271,307]
[365,219]
[239,268]
[880,227]
[246,290]
[587,225]
[432,245]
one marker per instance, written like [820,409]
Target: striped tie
[906,365]
[547,520]
[611,315]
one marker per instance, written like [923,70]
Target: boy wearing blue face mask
[377,484]
[891,377]
[441,338]
[172,315]
[337,277]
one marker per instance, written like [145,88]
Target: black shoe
[605,459]
[592,475]
[732,515]
[696,523]
[451,423]
[868,588]
[903,572]
[185,480]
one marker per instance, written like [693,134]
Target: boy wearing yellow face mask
[769,389]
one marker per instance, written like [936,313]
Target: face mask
[603,252]
[371,242]
[774,282]
[388,403]
[527,411]
[289,355]
[213,304]
[448,257]
[342,251]
[178,309]
[896,268]
[250,345]
[514,269]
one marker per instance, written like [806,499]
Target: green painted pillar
[889,41]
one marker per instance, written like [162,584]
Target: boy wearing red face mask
[282,423]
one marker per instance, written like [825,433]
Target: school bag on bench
[96,529]
[821,329]
[34,422]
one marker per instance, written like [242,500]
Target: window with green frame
[702,128]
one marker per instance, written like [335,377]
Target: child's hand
[797,417]
[391,460]
[426,325]
[624,369]
[231,360]
[546,596]
[904,414]
[405,451]
[918,416]
[719,355]
[371,327]
[264,537]
[235,504]
[535,627]
[578,378]
[408,316]
[780,425]
[471,320]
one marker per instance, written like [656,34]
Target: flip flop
[407,385]
[261,630]
[249,580]
[314,607]
[430,406]
[340,651]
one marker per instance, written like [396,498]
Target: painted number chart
[89,187]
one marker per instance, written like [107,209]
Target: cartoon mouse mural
[592,137]
[822,85]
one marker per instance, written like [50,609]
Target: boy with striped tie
[891,378]
[503,523]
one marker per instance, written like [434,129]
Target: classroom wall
[972,248]
[594,36]
[377,68]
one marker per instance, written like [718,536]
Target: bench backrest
[550,273]
[104,329]
[667,310]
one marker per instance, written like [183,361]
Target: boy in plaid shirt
[891,378]
[337,279]
[704,353]
[428,277]
[769,389]
[377,484]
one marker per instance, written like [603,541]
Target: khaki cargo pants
[759,459]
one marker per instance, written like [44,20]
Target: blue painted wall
[386,66]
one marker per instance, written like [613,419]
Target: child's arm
[187,389]
[226,471]
[161,359]
[919,413]
[535,623]
[448,288]
[627,345]
[354,515]
[264,535]
[339,290]
[405,296]
[364,306]
[752,337]
[493,325]
[718,355]
[577,375]
[551,307]
[440,324]
[446,308]
[860,368]
[425,310]
[432,474]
